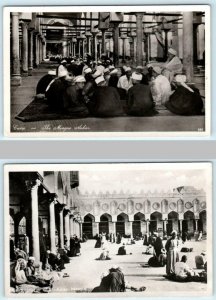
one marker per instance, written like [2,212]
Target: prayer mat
[38,110]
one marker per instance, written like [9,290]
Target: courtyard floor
[85,272]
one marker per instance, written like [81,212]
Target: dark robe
[158,245]
[121,251]
[113,282]
[106,102]
[144,80]
[113,81]
[55,94]
[140,101]
[185,102]
[43,83]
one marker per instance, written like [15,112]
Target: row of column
[28,52]
[68,226]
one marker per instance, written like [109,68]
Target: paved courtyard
[85,272]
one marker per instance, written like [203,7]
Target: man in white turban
[140,102]
[125,81]
[173,65]
[160,88]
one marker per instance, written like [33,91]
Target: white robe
[161,90]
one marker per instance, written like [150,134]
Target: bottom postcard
[128,229]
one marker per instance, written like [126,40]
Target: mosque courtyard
[85,272]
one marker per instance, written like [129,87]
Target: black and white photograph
[107,71]
[141,229]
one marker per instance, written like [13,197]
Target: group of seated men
[85,88]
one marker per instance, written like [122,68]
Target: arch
[202,221]
[188,223]
[147,206]
[22,226]
[120,224]
[180,206]
[104,223]
[12,226]
[137,224]
[156,222]
[173,223]
[164,206]
[87,225]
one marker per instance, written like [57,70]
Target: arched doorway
[87,225]
[188,223]
[120,224]
[139,218]
[104,223]
[156,223]
[172,222]
[202,221]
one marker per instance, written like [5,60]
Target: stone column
[44,50]
[188,44]
[147,226]
[131,229]
[67,225]
[15,77]
[61,225]
[30,52]
[37,50]
[24,49]
[196,224]
[95,228]
[164,225]
[81,229]
[180,225]
[71,226]
[139,18]
[32,186]
[123,48]
[52,224]
[94,44]
[116,44]
[103,40]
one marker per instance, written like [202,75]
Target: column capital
[139,14]
[32,184]
[60,207]
[66,211]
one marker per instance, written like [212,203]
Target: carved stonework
[156,206]
[172,206]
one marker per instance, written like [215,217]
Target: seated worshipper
[122,250]
[33,278]
[113,80]
[149,250]
[100,67]
[185,100]
[20,254]
[182,272]
[158,245]
[98,241]
[56,262]
[88,74]
[125,81]
[45,81]
[62,67]
[105,100]
[160,88]
[172,66]
[115,282]
[140,101]
[139,70]
[104,255]
[77,246]
[200,260]
[73,98]
[18,272]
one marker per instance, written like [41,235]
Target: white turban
[99,79]
[139,67]
[111,68]
[52,72]
[80,78]
[114,71]
[96,74]
[136,76]
[88,70]
[63,61]
[180,78]
[128,69]
[62,73]
[172,51]
[157,70]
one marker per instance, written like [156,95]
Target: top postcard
[107,72]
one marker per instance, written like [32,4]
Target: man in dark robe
[113,80]
[105,100]
[186,99]
[158,246]
[122,250]
[140,101]
[45,81]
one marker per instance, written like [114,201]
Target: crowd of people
[164,252]
[83,87]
